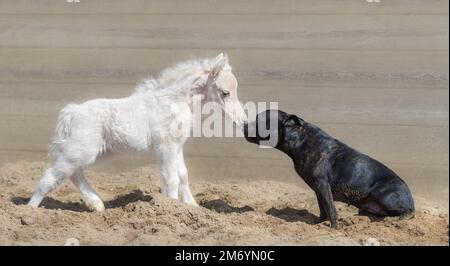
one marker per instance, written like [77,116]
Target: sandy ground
[232,213]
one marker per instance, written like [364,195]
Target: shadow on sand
[221,206]
[54,204]
[293,215]
[288,214]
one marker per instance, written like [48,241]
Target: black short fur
[334,170]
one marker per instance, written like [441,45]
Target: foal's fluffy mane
[178,77]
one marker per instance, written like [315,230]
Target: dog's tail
[63,129]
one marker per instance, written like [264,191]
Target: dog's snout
[249,131]
[245,128]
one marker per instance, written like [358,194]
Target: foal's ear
[293,120]
[219,63]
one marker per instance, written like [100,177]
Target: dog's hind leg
[90,196]
[51,179]
[369,206]
[391,199]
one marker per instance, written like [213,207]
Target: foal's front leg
[184,190]
[90,196]
[167,158]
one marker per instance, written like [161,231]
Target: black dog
[333,169]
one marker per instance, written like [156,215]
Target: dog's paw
[407,216]
[334,225]
[319,220]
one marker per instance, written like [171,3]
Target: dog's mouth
[250,133]
[253,140]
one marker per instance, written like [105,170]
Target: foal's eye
[225,93]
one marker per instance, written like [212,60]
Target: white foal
[141,122]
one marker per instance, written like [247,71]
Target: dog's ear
[293,120]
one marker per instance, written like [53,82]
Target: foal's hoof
[98,207]
[34,206]
[190,202]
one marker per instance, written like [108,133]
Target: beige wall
[373,74]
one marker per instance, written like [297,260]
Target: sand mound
[243,213]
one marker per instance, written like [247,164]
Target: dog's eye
[225,93]
[291,121]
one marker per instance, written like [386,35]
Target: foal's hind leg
[185,192]
[92,199]
[51,179]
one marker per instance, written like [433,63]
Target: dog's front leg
[325,199]
[323,214]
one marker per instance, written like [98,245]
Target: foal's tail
[63,129]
